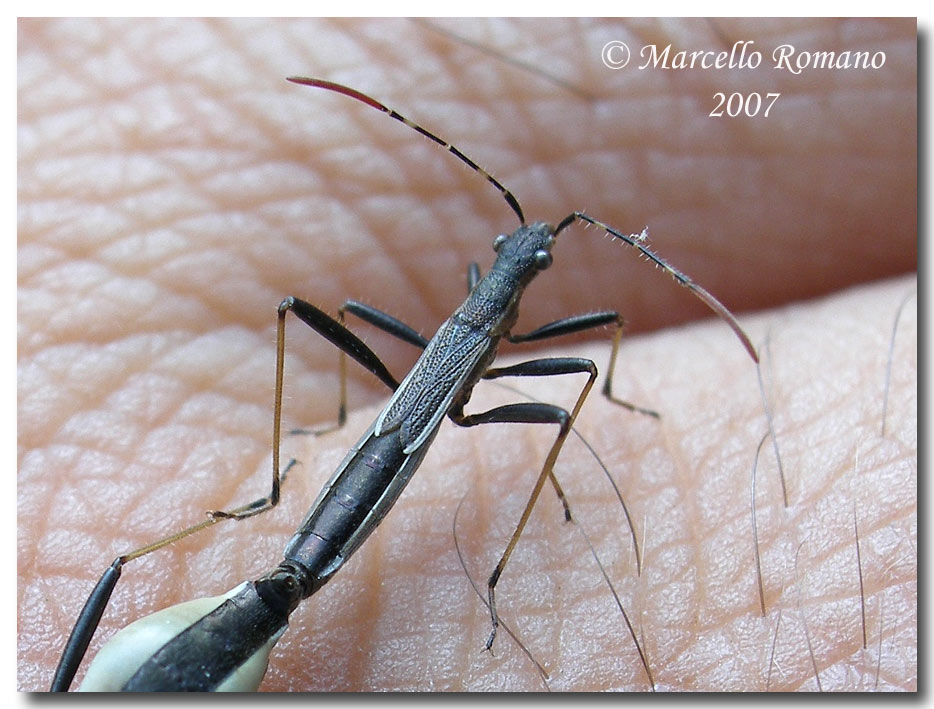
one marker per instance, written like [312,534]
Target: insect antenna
[369,101]
[635,241]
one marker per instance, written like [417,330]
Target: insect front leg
[530,413]
[588,321]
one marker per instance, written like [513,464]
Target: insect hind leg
[89,618]
[379,319]
[335,332]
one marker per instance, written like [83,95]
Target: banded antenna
[369,101]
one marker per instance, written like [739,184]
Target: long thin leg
[385,322]
[332,330]
[336,333]
[587,321]
[90,616]
[388,324]
[567,326]
[530,413]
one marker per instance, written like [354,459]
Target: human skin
[173,189]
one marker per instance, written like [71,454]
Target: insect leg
[337,334]
[81,634]
[529,413]
[385,322]
[577,323]
[90,615]
[473,276]
[89,618]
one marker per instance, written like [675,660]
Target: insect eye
[499,241]
[543,259]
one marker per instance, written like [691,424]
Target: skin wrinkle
[404,267]
[219,468]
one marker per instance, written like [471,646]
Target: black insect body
[223,643]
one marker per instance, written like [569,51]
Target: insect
[223,643]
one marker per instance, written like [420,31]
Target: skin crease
[173,188]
